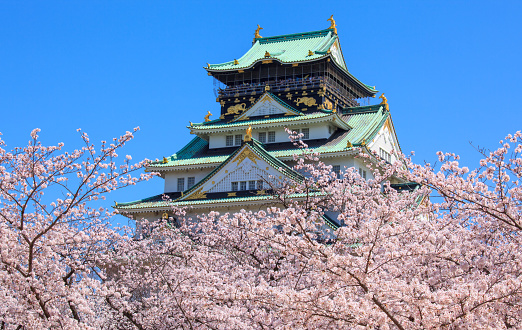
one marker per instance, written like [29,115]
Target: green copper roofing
[259,121]
[288,48]
[152,202]
[190,149]
[365,123]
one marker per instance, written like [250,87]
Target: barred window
[190,182]
[337,170]
[230,140]
[259,184]
[234,186]
[181,184]
[271,137]
[242,185]
[251,185]
[362,173]
[385,155]
[262,137]
[306,133]
[238,139]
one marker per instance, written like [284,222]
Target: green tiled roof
[288,48]
[152,202]
[191,148]
[259,121]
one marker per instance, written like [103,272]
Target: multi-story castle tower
[297,81]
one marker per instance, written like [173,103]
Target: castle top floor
[290,63]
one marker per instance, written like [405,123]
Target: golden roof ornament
[256,34]
[165,216]
[384,102]
[332,24]
[165,160]
[310,53]
[207,117]
[267,54]
[208,65]
[191,123]
[248,135]
[349,145]
[236,62]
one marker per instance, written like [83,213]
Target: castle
[297,81]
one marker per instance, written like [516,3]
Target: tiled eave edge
[344,70]
[336,153]
[214,70]
[223,202]
[241,126]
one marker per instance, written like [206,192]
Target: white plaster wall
[319,131]
[385,141]
[171,178]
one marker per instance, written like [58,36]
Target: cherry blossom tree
[50,238]
[399,261]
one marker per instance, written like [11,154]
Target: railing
[275,85]
[286,85]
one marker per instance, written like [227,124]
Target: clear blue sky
[451,70]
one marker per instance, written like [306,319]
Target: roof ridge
[262,150]
[300,35]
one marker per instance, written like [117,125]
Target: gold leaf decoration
[198,194]
[246,153]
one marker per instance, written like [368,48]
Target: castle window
[262,137]
[259,184]
[306,133]
[337,170]
[251,185]
[242,185]
[271,137]
[190,182]
[362,173]
[235,186]
[229,140]
[385,155]
[181,184]
[238,139]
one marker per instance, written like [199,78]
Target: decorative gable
[267,105]
[337,54]
[247,166]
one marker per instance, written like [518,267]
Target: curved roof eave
[327,55]
[260,60]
